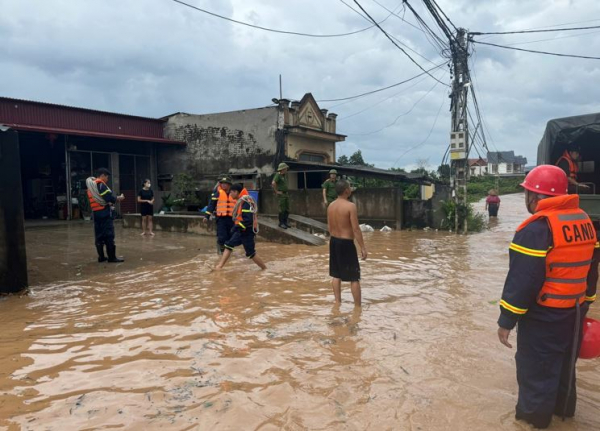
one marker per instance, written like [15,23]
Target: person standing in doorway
[221,206]
[146,201]
[280,186]
[492,203]
[329,193]
[546,294]
[102,203]
[342,221]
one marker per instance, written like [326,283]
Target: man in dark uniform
[547,292]
[221,206]
[103,214]
[280,186]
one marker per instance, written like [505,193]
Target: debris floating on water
[366,228]
[386,229]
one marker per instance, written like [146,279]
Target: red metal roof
[46,117]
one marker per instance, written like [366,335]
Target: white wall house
[478,167]
[506,163]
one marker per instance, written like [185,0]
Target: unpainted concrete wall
[173,223]
[426,213]
[216,143]
[13,259]
[378,207]
[381,206]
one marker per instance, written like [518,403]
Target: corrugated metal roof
[47,117]
[360,171]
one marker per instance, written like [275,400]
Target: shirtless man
[342,221]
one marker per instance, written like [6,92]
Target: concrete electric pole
[459,132]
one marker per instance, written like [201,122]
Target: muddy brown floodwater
[166,344]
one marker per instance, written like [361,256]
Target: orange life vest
[568,262]
[237,218]
[573,168]
[93,204]
[225,204]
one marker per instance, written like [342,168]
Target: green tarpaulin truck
[583,131]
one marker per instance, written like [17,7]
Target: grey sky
[155,57]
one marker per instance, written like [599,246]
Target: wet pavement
[162,342]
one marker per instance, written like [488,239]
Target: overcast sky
[155,57]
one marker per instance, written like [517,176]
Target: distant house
[506,163]
[478,167]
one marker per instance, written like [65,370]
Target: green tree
[343,160]
[357,159]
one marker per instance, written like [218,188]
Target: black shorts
[243,238]
[343,259]
[146,209]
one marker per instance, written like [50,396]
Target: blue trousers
[543,369]
[104,230]
[224,226]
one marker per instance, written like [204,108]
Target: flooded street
[161,342]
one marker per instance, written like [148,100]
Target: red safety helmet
[590,345]
[546,180]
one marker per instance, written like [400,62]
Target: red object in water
[590,346]
[546,180]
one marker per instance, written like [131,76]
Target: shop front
[61,146]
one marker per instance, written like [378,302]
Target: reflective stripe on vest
[237,218]
[93,204]
[573,168]
[568,261]
[225,204]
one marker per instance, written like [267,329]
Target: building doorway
[43,176]
[133,170]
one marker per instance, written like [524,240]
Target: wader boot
[111,250]
[282,224]
[100,250]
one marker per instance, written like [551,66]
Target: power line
[357,12]
[399,116]
[384,88]
[437,42]
[484,125]
[428,135]
[396,15]
[445,16]
[258,27]
[551,39]
[478,33]
[556,54]
[394,37]
[564,23]
[381,101]
[394,42]
[554,26]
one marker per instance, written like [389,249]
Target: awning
[59,131]
[358,171]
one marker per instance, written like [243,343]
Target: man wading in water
[342,221]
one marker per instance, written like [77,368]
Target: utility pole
[459,131]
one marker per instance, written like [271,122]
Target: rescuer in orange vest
[245,227]
[547,292]
[102,201]
[221,207]
[568,163]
